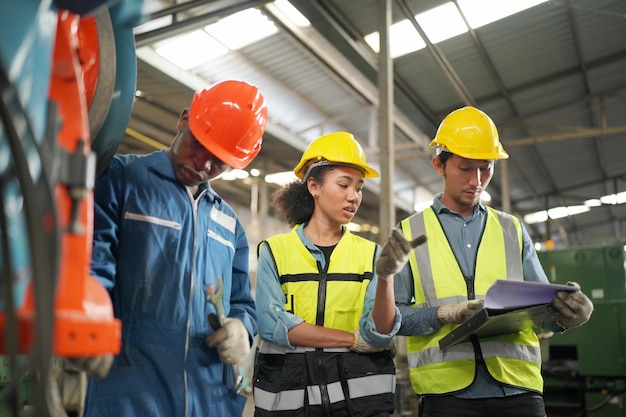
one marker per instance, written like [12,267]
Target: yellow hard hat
[470,133]
[337,148]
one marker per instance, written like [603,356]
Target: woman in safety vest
[326,320]
[444,283]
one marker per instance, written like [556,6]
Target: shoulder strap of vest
[258,247]
[269,248]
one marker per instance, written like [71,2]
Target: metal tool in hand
[214,296]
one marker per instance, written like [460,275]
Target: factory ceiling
[552,77]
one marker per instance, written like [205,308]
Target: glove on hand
[93,366]
[395,253]
[231,340]
[458,313]
[571,309]
[362,346]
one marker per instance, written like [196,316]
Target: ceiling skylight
[230,30]
[445,22]
[482,12]
[404,39]
[191,50]
[441,23]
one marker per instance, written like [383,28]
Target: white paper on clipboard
[507,294]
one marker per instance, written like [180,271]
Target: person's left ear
[183,119]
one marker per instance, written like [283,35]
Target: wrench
[214,296]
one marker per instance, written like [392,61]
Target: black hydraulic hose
[605,401]
[43,261]
[9,393]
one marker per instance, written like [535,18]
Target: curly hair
[294,203]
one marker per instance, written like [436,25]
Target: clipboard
[510,306]
[494,321]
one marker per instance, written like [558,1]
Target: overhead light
[555,213]
[422,205]
[255,172]
[536,217]
[442,22]
[485,196]
[482,12]
[281,178]
[560,212]
[612,199]
[234,174]
[242,28]
[594,202]
[363,228]
[191,50]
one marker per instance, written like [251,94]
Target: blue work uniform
[156,249]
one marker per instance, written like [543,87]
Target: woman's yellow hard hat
[337,148]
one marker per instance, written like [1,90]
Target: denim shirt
[464,237]
[275,322]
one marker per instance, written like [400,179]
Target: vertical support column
[505,186]
[385,122]
[548,231]
[264,206]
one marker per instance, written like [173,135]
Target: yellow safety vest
[513,359]
[326,380]
[333,297]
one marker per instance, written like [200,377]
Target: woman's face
[339,196]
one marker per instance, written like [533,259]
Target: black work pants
[523,405]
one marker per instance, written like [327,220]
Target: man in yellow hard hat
[444,283]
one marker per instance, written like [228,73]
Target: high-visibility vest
[323,380]
[513,359]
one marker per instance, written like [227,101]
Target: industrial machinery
[67,83]
[585,368]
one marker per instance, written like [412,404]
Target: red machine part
[84,323]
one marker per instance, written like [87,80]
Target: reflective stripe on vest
[363,386]
[294,399]
[513,359]
[306,286]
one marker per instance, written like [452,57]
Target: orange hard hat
[229,119]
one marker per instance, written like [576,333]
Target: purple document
[506,294]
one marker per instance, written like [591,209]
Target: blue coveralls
[156,249]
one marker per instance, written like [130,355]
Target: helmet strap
[325,162]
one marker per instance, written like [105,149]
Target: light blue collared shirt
[275,322]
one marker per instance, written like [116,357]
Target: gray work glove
[395,253]
[571,309]
[362,346]
[231,340]
[94,366]
[458,313]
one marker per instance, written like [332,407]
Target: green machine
[585,368]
